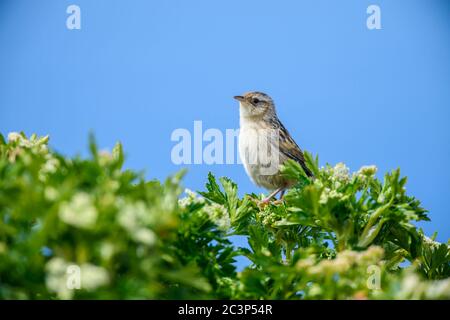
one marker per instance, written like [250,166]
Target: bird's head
[255,104]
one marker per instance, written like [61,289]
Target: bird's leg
[270,196]
[280,200]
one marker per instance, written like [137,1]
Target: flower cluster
[343,262]
[80,211]
[216,212]
[135,218]
[338,175]
[64,277]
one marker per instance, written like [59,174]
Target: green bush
[339,236]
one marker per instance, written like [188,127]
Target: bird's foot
[279,201]
[266,201]
[263,203]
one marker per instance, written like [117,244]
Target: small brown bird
[265,144]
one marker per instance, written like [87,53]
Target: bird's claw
[266,201]
[262,203]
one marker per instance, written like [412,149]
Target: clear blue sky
[139,69]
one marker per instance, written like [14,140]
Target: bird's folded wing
[290,148]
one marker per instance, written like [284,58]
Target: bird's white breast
[253,139]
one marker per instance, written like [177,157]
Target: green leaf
[117,154]
[312,163]
[293,170]
[214,193]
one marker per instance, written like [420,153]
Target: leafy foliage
[336,236]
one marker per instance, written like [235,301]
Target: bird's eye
[255,100]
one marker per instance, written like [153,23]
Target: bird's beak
[239,98]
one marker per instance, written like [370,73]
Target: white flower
[14,136]
[135,219]
[372,255]
[79,212]
[219,215]
[328,194]
[145,236]
[413,288]
[338,175]
[341,173]
[365,173]
[29,143]
[431,242]
[133,215]
[318,183]
[344,261]
[411,284]
[368,170]
[93,276]
[51,193]
[60,277]
[439,289]
[324,196]
[56,278]
[191,197]
[107,250]
[50,165]
[190,193]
